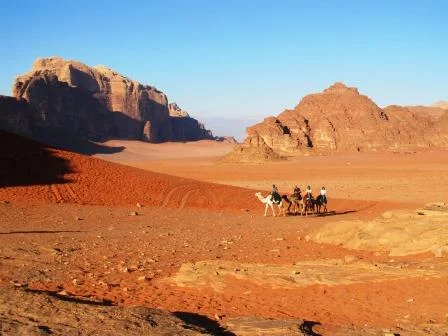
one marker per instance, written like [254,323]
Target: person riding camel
[275,195]
[297,193]
[309,195]
[323,194]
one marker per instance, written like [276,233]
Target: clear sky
[244,58]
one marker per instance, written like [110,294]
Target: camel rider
[309,195]
[275,195]
[297,192]
[323,194]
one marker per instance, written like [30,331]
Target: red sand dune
[34,173]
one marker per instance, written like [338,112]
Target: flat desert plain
[170,240]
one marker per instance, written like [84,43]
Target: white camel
[269,202]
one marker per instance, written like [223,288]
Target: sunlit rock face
[340,118]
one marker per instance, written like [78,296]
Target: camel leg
[289,206]
[272,208]
[265,209]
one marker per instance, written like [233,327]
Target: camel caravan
[301,204]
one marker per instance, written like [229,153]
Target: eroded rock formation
[340,118]
[71,98]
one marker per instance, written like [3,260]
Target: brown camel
[296,201]
[309,206]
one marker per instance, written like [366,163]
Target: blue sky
[240,59]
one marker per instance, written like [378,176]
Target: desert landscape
[123,213]
[159,241]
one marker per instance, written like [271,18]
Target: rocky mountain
[69,98]
[340,118]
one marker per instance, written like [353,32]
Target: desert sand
[169,240]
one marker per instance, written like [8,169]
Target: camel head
[260,196]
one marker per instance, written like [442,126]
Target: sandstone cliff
[340,118]
[185,127]
[71,98]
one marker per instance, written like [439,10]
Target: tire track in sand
[63,194]
[184,199]
[55,193]
[73,196]
[170,194]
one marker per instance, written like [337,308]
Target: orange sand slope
[35,173]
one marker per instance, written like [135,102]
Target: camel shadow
[323,214]
[334,213]
[209,326]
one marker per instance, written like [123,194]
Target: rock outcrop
[176,111]
[250,154]
[69,98]
[227,139]
[185,127]
[340,118]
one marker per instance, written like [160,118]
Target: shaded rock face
[68,97]
[185,127]
[15,116]
[340,118]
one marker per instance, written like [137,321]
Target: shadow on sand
[210,326]
[325,214]
[334,213]
[74,299]
[37,231]
[25,162]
